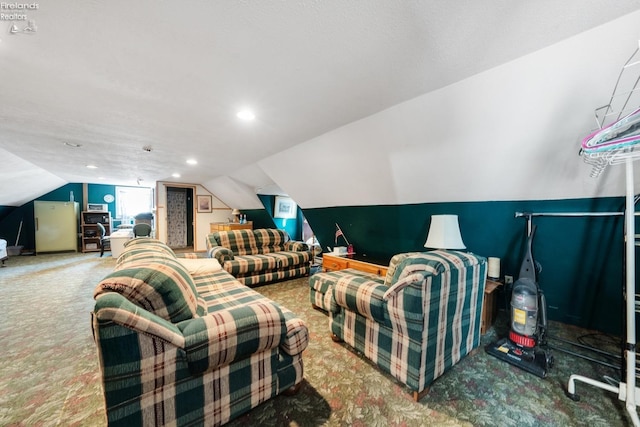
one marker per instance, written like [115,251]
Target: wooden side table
[227,226]
[490,306]
[332,262]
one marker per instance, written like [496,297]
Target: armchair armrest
[113,307]
[224,336]
[409,280]
[362,295]
[221,253]
[406,300]
[295,246]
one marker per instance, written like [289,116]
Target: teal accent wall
[260,218]
[96,193]
[582,258]
[10,221]
[293,227]
[10,224]
[5,210]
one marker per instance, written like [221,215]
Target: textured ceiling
[115,76]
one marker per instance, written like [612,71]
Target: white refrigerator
[56,226]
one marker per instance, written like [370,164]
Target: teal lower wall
[582,258]
[10,224]
[10,217]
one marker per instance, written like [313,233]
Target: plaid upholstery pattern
[419,321]
[225,336]
[204,370]
[144,248]
[321,284]
[363,295]
[241,242]
[259,256]
[161,288]
[250,263]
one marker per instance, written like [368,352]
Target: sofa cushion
[163,288]
[270,239]
[250,263]
[151,244]
[200,265]
[144,249]
[241,242]
[289,259]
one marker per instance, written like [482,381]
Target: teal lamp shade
[444,233]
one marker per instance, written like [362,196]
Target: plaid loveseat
[181,342]
[259,256]
[415,323]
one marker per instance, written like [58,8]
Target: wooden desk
[490,306]
[333,262]
[226,226]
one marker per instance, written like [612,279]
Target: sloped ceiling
[341,90]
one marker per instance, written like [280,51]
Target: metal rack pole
[626,391]
[521,214]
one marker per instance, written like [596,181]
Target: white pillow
[200,265]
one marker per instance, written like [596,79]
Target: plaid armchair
[179,345]
[417,322]
[259,256]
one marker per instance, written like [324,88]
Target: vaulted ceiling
[138,88]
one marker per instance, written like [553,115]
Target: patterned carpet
[49,374]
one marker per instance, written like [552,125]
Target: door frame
[161,210]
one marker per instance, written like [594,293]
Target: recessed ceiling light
[192,162]
[92,167]
[246,115]
[175,175]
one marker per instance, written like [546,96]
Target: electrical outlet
[508,280]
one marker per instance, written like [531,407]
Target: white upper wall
[510,133]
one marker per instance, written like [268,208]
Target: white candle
[494,268]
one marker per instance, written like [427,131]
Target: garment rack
[612,144]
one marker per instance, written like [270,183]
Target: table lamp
[444,233]
[236,215]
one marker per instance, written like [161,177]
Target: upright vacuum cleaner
[526,345]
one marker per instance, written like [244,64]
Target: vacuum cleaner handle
[528,266]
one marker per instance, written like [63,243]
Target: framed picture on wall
[285,208]
[204,204]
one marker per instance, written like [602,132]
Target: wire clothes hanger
[618,130]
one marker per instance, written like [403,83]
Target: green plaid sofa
[259,256]
[415,323]
[179,345]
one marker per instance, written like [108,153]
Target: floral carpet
[49,371]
